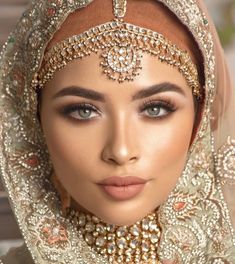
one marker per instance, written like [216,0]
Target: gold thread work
[119,8]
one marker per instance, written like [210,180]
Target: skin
[121,138]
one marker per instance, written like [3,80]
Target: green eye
[157,109]
[80,111]
[84,113]
[154,110]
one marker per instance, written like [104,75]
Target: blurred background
[223,12]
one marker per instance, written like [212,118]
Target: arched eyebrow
[97,96]
[158,88]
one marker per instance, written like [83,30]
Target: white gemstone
[111,248]
[55,231]
[100,228]
[145,224]
[145,247]
[90,227]
[154,238]
[81,220]
[121,231]
[134,243]
[110,237]
[135,231]
[121,51]
[121,243]
[89,239]
[100,241]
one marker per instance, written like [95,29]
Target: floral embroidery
[53,233]
[226,160]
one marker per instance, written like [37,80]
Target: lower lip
[123,192]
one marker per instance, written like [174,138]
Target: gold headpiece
[121,45]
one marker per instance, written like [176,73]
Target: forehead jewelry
[121,47]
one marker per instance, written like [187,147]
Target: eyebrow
[97,96]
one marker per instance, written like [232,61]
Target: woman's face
[97,128]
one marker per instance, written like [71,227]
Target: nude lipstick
[122,188]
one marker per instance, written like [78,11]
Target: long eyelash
[72,108]
[166,103]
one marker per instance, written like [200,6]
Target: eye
[157,109]
[81,111]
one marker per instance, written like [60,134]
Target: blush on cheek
[171,155]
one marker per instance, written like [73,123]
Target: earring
[64,195]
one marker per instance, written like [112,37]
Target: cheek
[72,147]
[170,144]
[166,149]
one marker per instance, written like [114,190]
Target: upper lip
[122,181]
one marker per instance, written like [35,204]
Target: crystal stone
[100,228]
[121,231]
[111,248]
[154,238]
[121,243]
[145,246]
[135,230]
[134,243]
[90,227]
[82,220]
[89,239]
[145,224]
[100,241]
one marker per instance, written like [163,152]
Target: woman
[117,134]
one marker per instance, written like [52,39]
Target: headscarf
[196,218]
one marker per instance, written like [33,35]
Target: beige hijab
[223,119]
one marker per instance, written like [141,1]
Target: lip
[122,188]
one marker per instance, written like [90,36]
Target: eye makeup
[162,107]
[150,108]
[79,111]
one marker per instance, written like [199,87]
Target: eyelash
[68,110]
[165,104]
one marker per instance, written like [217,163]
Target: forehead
[87,73]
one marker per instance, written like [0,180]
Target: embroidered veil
[197,219]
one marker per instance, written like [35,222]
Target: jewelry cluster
[120,244]
[120,46]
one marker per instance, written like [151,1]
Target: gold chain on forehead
[121,46]
[119,8]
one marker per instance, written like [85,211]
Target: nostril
[113,160]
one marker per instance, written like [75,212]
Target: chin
[122,221]
[123,215]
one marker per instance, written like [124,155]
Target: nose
[121,146]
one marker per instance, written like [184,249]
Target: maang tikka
[121,46]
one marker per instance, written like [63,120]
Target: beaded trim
[119,8]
